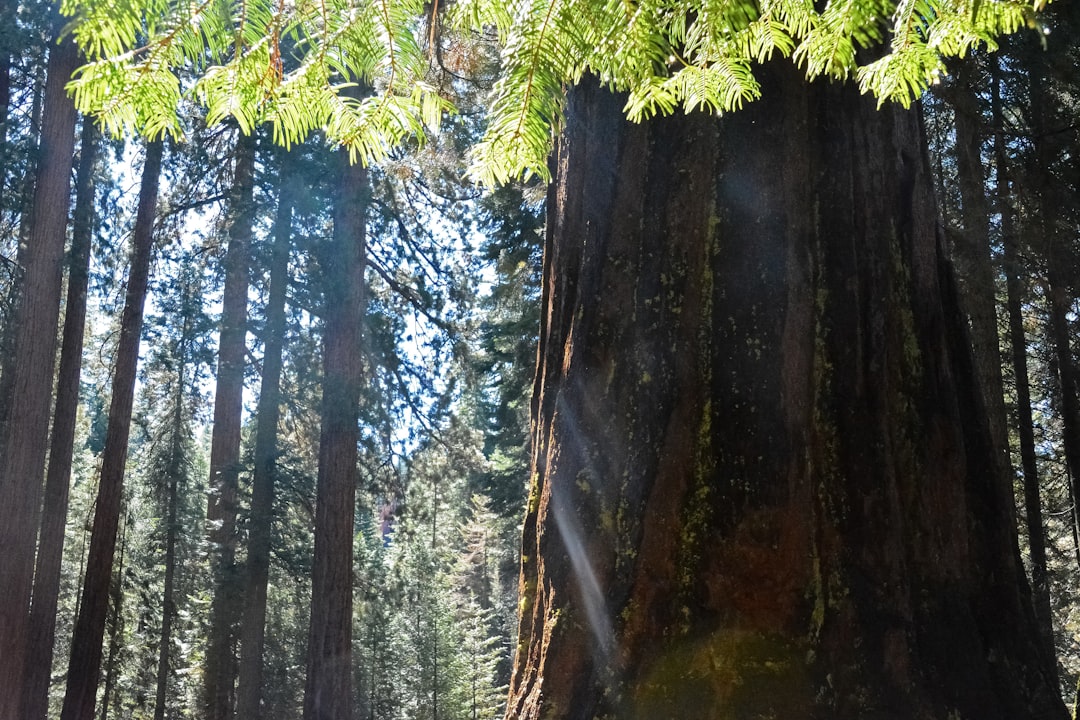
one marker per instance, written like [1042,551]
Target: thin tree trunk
[249,692]
[972,250]
[328,686]
[84,669]
[220,672]
[1025,426]
[24,440]
[116,598]
[172,529]
[58,477]
[763,479]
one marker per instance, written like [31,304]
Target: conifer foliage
[286,63]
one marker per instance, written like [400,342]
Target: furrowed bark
[764,484]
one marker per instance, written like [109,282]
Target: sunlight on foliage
[285,62]
[357,69]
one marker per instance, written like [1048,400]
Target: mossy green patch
[729,673]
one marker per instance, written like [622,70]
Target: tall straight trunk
[328,686]
[1025,425]
[24,439]
[978,291]
[58,475]
[220,671]
[252,631]
[172,530]
[116,627]
[174,474]
[84,668]
[763,479]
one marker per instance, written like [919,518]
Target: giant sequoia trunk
[763,482]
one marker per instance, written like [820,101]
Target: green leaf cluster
[700,54]
[354,69]
[358,69]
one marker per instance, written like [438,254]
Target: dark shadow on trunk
[764,483]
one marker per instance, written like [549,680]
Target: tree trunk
[253,626]
[978,292]
[23,441]
[172,530]
[225,443]
[58,476]
[328,686]
[116,627]
[1025,425]
[763,480]
[84,668]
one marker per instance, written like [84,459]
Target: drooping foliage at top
[286,62]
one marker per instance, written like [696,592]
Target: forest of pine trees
[274,424]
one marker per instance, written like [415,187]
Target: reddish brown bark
[58,476]
[220,674]
[84,668]
[328,686]
[24,439]
[764,483]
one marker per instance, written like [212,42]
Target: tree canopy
[287,63]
